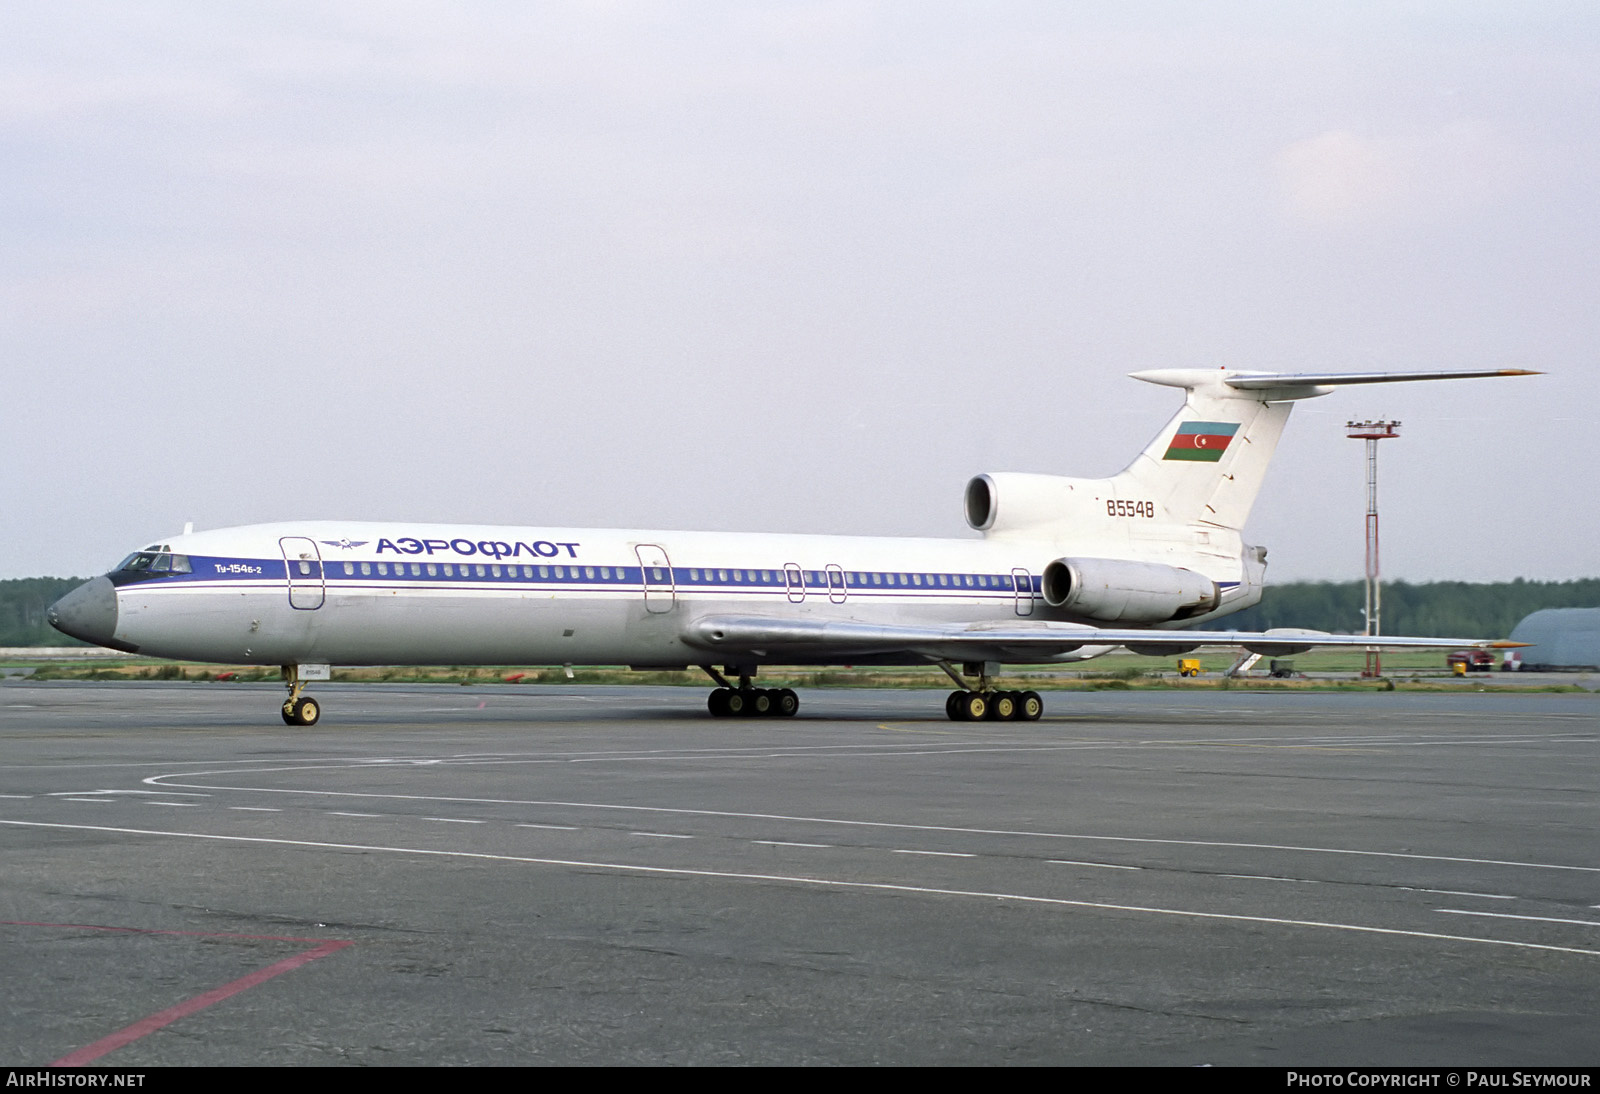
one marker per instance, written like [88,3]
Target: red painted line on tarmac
[146,1026]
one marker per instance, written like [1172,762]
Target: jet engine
[1009,500]
[1114,590]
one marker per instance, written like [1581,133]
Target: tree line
[1434,609]
[23,603]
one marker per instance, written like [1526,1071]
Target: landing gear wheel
[302,712]
[1030,706]
[734,703]
[971,706]
[950,705]
[759,702]
[717,703]
[1003,706]
[785,703]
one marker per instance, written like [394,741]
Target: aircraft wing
[766,636]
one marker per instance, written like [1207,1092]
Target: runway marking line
[149,1024]
[820,882]
[895,825]
[1528,918]
[1458,892]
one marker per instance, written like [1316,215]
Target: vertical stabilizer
[1207,464]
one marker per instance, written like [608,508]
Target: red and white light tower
[1372,433]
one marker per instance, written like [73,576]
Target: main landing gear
[746,701]
[298,710]
[984,702]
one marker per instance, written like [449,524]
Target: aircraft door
[1022,581]
[794,582]
[302,563]
[655,568]
[836,592]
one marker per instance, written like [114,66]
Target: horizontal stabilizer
[1267,380]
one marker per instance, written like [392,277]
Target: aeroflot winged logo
[1202,442]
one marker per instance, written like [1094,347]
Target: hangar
[1562,638]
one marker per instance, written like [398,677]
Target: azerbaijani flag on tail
[1204,442]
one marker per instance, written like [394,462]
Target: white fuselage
[343,593]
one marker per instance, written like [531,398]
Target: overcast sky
[788,266]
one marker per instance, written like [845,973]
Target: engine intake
[1113,590]
[1008,501]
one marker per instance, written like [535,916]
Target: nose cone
[89,612]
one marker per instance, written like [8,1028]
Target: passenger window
[366,569]
[383,569]
[349,568]
[544,571]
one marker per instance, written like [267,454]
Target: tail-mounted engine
[1112,590]
[1009,500]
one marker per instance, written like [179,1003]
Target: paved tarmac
[520,875]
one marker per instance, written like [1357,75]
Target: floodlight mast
[1372,433]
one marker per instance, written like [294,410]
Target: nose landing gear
[299,710]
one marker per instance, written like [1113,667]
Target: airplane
[1066,569]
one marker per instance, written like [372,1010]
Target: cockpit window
[151,562]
